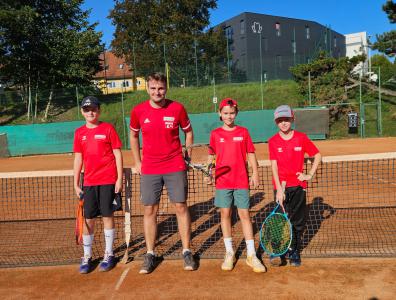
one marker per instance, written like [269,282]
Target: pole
[122,104]
[309,88]
[164,56]
[228,60]
[167,75]
[379,107]
[196,61]
[261,75]
[361,106]
[214,91]
[78,104]
[294,46]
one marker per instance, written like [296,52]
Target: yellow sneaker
[255,263]
[229,261]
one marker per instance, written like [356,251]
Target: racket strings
[276,234]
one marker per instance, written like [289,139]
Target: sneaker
[107,263]
[255,263]
[86,264]
[229,261]
[189,261]
[295,259]
[275,261]
[148,264]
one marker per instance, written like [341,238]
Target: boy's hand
[254,180]
[138,168]
[303,177]
[118,186]
[208,180]
[79,191]
[280,197]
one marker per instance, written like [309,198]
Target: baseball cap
[90,101]
[228,102]
[283,111]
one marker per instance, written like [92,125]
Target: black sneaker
[189,261]
[295,259]
[148,264]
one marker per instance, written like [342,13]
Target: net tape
[351,211]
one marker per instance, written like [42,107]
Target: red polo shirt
[289,155]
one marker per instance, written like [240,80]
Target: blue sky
[346,16]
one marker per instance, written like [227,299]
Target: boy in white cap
[287,149]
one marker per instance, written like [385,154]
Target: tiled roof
[113,70]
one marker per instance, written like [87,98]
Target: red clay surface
[352,278]
[327,148]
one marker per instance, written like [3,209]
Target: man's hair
[157,76]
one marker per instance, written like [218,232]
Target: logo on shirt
[280,149]
[297,148]
[146,121]
[100,136]
[237,138]
[222,140]
[84,138]
[171,119]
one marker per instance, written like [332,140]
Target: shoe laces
[85,260]
[106,257]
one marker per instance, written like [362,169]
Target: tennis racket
[127,217]
[276,231]
[195,155]
[79,220]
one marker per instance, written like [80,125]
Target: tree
[386,42]
[149,33]
[388,69]
[48,44]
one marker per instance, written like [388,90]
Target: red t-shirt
[96,146]
[162,151]
[231,148]
[289,155]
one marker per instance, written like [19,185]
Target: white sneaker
[229,261]
[253,262]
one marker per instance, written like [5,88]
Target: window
[278,29]
[125,83]
[242,23]
[335,42]
[111,84]
[228,32]
[307,32]
[265,44]
[294,46]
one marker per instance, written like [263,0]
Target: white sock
[109,239]
[228,245]
[150,252]
[186,250]
[250,248]
[87,244]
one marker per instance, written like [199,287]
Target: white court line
[123,275]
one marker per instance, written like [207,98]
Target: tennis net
[351,211]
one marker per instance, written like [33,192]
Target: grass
[248,95]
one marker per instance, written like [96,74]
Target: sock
[186,250]
[250,248]
[228,245]
[150,252]
[109,239]
[87,244]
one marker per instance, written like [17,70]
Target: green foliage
[47,43]
[388,69]
[386,42]
[171,31]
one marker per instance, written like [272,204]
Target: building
[267,46]
[357,44]
[116,75]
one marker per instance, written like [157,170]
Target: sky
[347,16]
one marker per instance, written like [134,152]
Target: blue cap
[90,101]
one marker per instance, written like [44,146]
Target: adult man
[163,163]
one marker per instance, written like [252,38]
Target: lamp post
[257,28]
[121,66]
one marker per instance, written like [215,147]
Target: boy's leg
[223,200]
[242,202]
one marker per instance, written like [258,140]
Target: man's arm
[135,147]
[119,164]
[254,180]
[77,166]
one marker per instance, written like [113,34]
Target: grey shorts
[151,186]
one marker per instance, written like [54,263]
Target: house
[116,75]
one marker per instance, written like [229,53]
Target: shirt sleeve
[76,143]
[114,139]
[271,150]
[249,143]
[134,123]
[212,145]
[309,147]
[185,123]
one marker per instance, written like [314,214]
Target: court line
[120,281]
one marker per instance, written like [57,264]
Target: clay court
[351,265]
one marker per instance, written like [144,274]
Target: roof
[116,67]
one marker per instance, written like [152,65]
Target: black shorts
[98,200]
